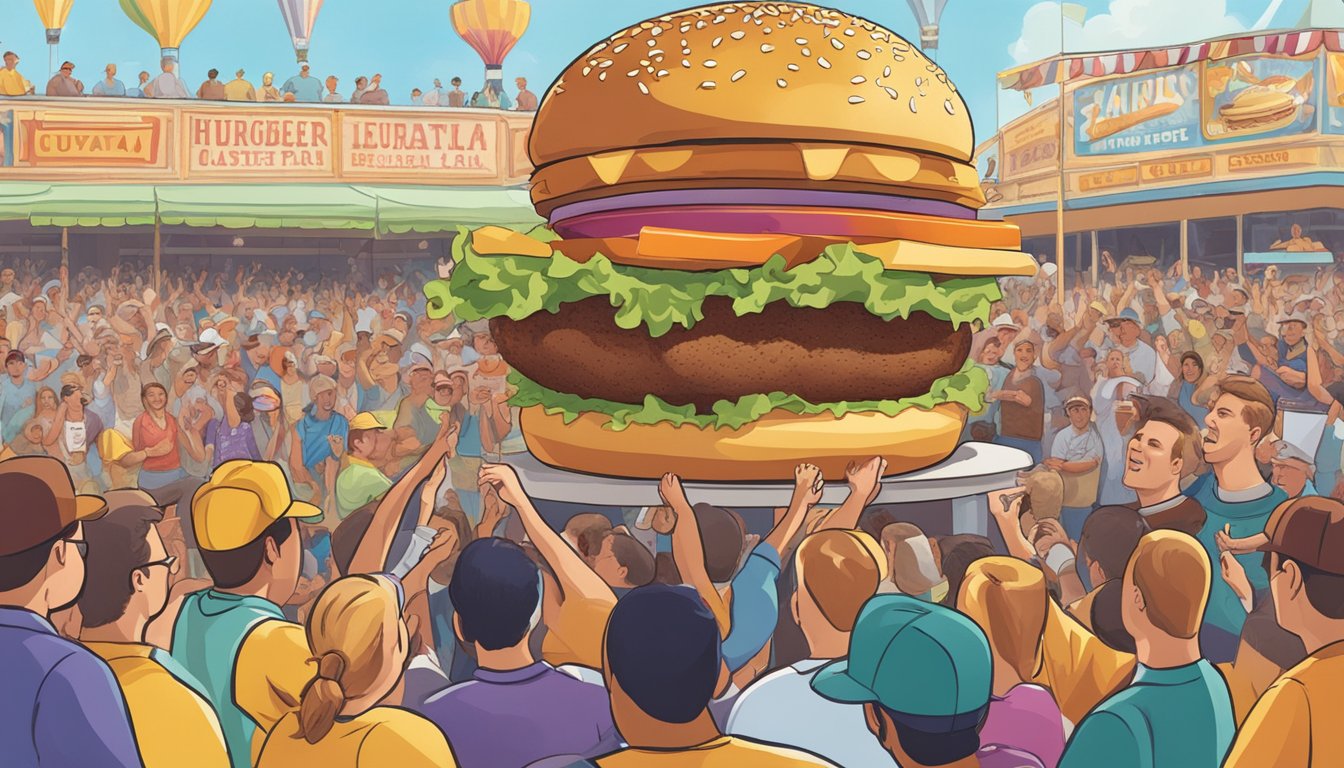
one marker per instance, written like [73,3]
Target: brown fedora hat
[38,501]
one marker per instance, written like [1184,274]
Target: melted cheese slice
[661,248]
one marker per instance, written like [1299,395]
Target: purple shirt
[61,705]
[1026,719]
[235,443]
[511,719]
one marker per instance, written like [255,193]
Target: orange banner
[245,144]
[57,142]
[374,144]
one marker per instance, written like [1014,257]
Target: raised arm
[865,481]
[688,550]
[574,576]
[371,554]
[807,485]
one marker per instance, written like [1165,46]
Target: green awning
[381,210]
[77,205]
[428,210]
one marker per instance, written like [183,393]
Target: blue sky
[412,41]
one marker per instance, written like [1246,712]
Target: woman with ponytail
[360,645]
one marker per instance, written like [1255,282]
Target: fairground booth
[1226,153]
[197,185]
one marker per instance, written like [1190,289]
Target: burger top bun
[752,71]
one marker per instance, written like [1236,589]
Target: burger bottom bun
[767,449]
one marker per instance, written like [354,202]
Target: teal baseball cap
[918,659]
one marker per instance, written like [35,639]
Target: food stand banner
[110,140]
[1152,112]
[1334,93]
[1031,145]
[1259,97]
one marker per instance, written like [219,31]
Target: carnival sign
[384,145]
[1031,145]
[1259,97]
[133,141]
[250,144]
[1152,112]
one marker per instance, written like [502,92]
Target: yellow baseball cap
[366,420]
[240,501]
[112,445]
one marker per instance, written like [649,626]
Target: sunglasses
[81,546]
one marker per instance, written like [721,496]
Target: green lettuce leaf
[966,387]
[484,287]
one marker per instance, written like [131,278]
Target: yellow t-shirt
[383,736]
[575,634]
[272,669]
[723,752]
[12,83]
[173,725]
[1296,724]
[1076,666]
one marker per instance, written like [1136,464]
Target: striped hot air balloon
[53,14]
[300,16]
[167,21]
[491,28]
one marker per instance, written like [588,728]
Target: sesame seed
[686,63]
[661,73]
[767,48]
[643,62]
[919,81]
[716,42]
[947,104]
[886,71]
[652,43]
[586,70]
[782,83]
[656,31]
[837,45]
[606,64]
[685,51]
[807,51]
[794,68]
[701,24]
[849,33]
[878,36]
[602,75]
[878,49]
[913,106]
[823,63]
[620,48]
[685,28]
[632,73]
[643,88]
[767,30]
[656,52]
[720,19]
[856,99]
[864,55]
[710,63]
[739,74]
[709,85]
[891,92]
[738,35]
[800,40]
[858,80]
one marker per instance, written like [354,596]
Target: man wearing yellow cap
[234,638]
[361,481]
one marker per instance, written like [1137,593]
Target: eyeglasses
[169,562]
[81,546]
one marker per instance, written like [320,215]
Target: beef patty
[822,355]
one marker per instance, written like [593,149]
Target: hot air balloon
[168,21]
[491,28]
[927,12]
[53,14]
[300,16]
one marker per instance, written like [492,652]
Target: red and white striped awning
[1074,67]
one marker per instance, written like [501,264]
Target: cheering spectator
[331,96]
[837,572]
[1076,455]
[268,90]
[13,84]
[913,567]
[1177,711]
[1163,452]
[303,86]
[1022,403]
[361,481]
[239,89]
[212,89]
[129,570]
[62,705]
[63,83]
[139,91]
[456,97]
[360,643]
[109,85]
[374,94]
[167,85]
[663,663]
[526,100]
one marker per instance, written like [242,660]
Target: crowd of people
[257,517]
[303,87]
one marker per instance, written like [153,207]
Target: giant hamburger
[762,249]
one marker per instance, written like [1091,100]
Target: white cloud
[1126,24]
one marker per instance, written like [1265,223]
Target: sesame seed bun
[803,94]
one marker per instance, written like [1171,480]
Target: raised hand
[807,484]
[430,492]
[866,479]
[504,480]
[672,492]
